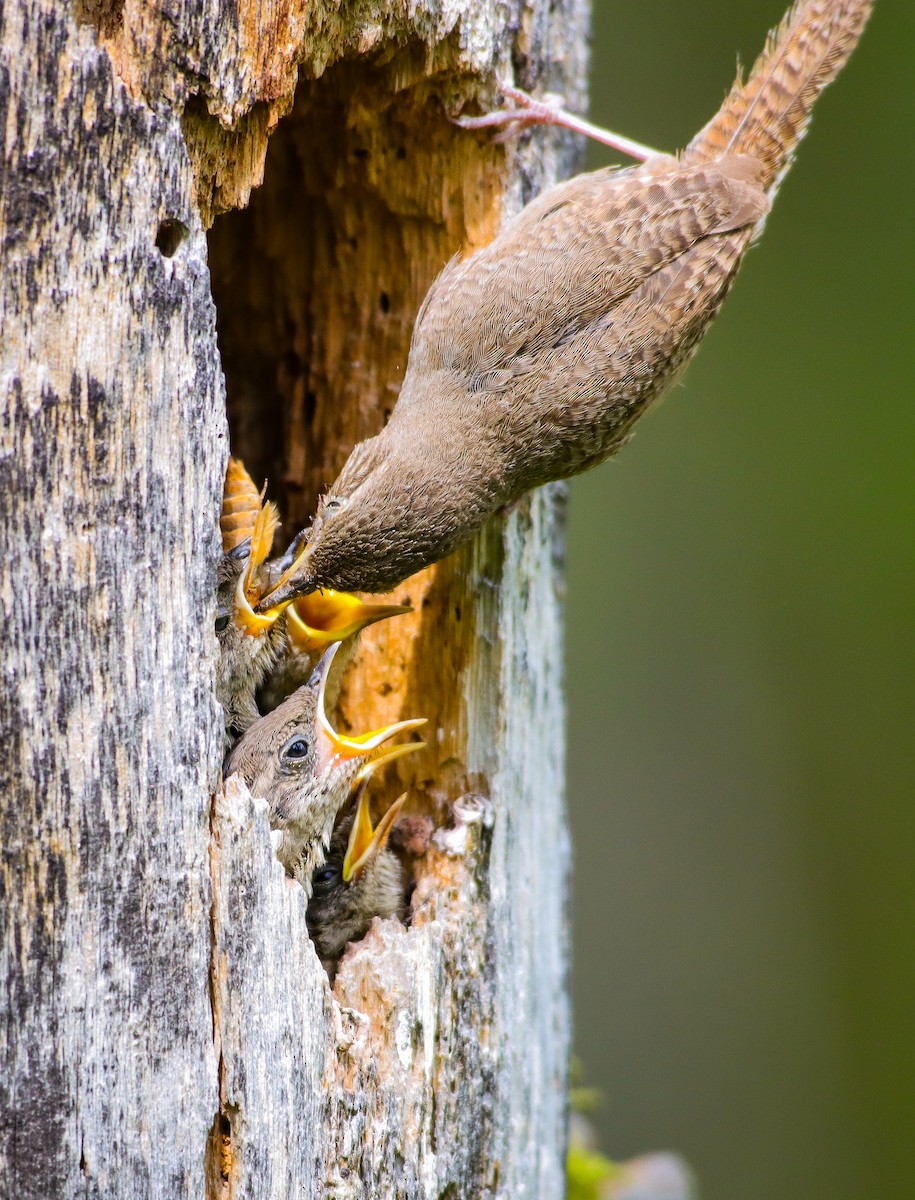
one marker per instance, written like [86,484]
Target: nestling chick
[248,642]
[532,359]
[361,879]
[295,760]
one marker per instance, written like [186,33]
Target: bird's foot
[528,111]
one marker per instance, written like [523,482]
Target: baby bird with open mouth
[249,642]
[295,760]
[312,623]
[264,657]
[362,878]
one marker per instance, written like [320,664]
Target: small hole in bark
[384,302]
[401,152]
[170,235]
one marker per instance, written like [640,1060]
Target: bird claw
[527,112]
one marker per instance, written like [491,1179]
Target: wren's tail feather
[767,115]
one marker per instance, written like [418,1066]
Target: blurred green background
[741,661]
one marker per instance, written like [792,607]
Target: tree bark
[168,1029]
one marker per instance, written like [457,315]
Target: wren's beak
[332,746]
[285,590]
[315,620]
[364,841]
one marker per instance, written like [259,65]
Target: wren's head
[360,533]
[402,501]
[295,760]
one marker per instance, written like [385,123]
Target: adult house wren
[361,879]
[295,760]
[532,359]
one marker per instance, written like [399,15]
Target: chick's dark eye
[325,877]
[295,749]
[221,624]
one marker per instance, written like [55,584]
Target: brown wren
[532,359]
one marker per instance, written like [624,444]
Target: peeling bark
[168,1030]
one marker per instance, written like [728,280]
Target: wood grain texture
[112,440]
[167,1028]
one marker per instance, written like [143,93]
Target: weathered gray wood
[113,435]
[167,1029]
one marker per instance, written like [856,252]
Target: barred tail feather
[767,115]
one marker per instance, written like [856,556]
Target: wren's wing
[570,259]
[588,391]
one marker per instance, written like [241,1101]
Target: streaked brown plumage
[532,359]
[304,769]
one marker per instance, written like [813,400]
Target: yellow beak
[364,841]
[254,624]
[332,745]
[319,618]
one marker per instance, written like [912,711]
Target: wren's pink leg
[549,111]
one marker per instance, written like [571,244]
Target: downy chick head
[361,879]
[295,760]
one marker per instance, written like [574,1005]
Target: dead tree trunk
[167,1028]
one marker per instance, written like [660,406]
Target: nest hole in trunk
[368,191]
